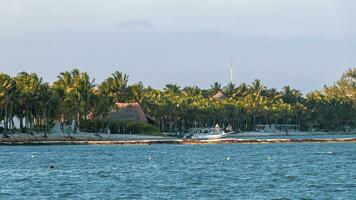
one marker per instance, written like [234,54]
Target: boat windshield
[206,131]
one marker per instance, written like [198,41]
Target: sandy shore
[122,139]
[256,134]
[77,137]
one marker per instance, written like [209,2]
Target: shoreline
[262,134]
[105,139]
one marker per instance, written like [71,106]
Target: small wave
[23,179]
[103,174]
[326,153]
[2,194]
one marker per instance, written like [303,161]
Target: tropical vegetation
[75,98]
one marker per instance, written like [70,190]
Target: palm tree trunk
[46,122]
[6,115]
[11,116]
[254,121]
[21,123]
[27,118]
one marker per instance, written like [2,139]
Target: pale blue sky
[305,43]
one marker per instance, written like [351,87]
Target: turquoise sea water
[233,171]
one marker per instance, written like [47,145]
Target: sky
[305,44]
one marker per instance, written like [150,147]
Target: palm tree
[49,102]
[28,86]
[257,88]
[7,92]
[172,88]
[170,105]
[86,97]
[241,90]
[115,86]
[347,84]
[62,87]
[215,88]
[76,93]
[230,90]
[256,100]
[192,90]
[290,95]
[137,92]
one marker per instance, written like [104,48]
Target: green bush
[119,127]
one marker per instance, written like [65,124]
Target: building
[130,112]
[219,96]
[277,128]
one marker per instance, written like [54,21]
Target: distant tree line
[74,95]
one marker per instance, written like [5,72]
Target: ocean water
[233,171]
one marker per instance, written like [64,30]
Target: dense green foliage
[120,127]
[74,95]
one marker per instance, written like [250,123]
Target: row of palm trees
[75,97]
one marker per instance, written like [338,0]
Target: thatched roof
[128,112]
[219,96]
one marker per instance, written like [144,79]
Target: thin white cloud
[280,18]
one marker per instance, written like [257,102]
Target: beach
[130,139]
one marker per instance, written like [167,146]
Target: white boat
[205,133]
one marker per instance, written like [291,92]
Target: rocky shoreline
[109,139]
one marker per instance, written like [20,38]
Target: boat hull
[208,136]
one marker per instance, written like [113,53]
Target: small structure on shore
[219,96]
[130,112]
[57,128]
[277,128]
[66,129]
